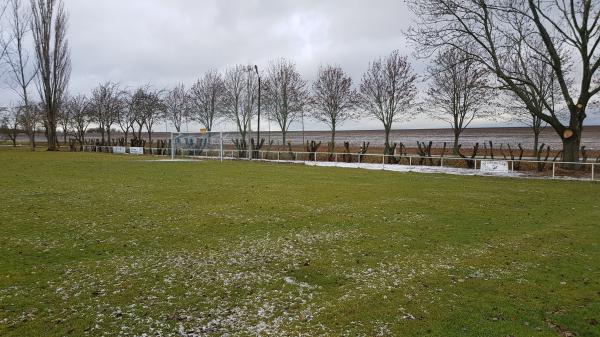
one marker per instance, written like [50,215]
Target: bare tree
[19,68]
[207,96]
[31,117]
[127,117]
[152,109]
[9,123]
[502,33]
[387,91]
[239,101]
[177,106]
[3,46]
[285,94]
[21,72]
[64,120]
[78,108]
[49,27]
[458,91]
[147,109]
[543,77]
[137,103]
[106,105]
[333,100]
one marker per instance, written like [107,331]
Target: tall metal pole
[172,147]
[249,115]
[258,124]
[221,141]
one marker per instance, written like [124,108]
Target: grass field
[106,245]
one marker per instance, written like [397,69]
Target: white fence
[523,167]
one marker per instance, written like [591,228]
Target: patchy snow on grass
[413,168]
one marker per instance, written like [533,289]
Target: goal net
[215,145]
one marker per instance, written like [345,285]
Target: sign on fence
[494,166]
[119,149]
[136,150]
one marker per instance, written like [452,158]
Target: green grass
[105,245]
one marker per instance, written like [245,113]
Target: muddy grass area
[102,245]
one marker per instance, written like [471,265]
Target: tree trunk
[52,139]
[536,140]
[332,146]
[387,148]
[455,148]
[32,141]
[571,149]
[283,135]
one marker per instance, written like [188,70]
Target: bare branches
[285,93]
[207,96]
[21,72]
[9,123]
[106,105]
[505,34]
[49,27]
[333,100]
[149,107]
[177,106]
[458,91]
[387,91]
[80,117]
[241,95]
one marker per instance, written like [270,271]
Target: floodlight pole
[258,123]
[172,147]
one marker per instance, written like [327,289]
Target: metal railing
[531,168]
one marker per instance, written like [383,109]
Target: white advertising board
[136,150]
[492,166]
[119,149]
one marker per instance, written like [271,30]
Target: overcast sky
[165,42]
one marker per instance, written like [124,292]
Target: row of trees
[43,24]
[386,92]
[543,55]
[459,92]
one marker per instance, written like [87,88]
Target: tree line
[535,61]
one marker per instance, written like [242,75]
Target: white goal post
[201,144]
[207,144]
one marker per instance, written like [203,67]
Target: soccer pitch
[105,245]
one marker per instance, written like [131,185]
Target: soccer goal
[203,144]
[206,144]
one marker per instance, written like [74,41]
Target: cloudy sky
[166,42]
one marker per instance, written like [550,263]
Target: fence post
[277,155]
[592,171]
[383,162]
[512,166]
[409,161]
[442,162]
[553,165]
